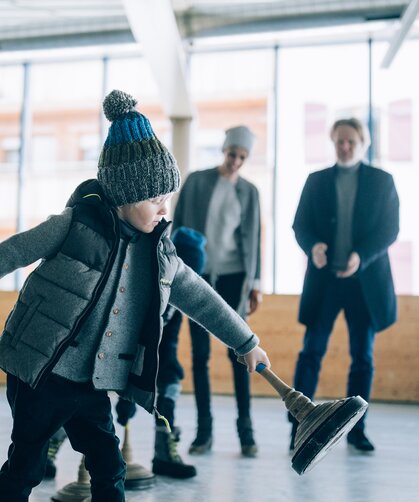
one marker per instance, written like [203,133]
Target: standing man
[347,218]
[225,208]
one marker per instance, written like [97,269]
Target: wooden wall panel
[396,351]
[7,300]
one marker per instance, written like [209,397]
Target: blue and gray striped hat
[133,165]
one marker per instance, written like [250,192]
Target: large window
[288,96]
[316,86]
[133,75]
[230,89]
[11,90]
[65,109]
[396,110]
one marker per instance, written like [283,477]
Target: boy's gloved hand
[124,411]
[253,358]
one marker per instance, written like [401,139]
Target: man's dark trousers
[340,294]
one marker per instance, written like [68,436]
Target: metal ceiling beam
[153,24]
[408,18]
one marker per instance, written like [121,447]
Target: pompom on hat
[133,165]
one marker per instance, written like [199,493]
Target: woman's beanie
[133,165]
[190,246]
[240,136]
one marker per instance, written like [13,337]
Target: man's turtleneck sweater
[346,189]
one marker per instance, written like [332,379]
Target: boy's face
[145,215]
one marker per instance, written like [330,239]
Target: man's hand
[318,255]
[353,265]
[255,299]
[254,357]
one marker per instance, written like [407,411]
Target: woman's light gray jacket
[192,211]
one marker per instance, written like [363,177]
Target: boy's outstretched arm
[31,245]
[200,302]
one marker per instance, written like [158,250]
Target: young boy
[190,247]
[89,318]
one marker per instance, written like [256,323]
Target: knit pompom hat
[190,246]
[133,165]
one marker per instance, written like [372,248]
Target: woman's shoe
[247,441]
[203,441]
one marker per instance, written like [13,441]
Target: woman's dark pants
[229,287]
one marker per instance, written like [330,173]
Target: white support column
[181,147]
[153,24]
[408,18]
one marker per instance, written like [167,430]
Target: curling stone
[76,491]
[320,427]
[137,477]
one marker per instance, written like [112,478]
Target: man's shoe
[359,440]
[247,441]
[167,461]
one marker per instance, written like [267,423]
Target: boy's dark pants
[86,416]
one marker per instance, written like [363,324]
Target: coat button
[101,355]
[126,266]
[122,289]
[115,311]
[109,333]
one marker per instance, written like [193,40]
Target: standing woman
[223,206]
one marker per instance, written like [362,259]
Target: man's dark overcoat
[375,228]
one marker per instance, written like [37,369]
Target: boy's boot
[247,442]
[203,440]
[54,446]
[166,459]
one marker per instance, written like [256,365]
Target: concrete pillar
[181,147]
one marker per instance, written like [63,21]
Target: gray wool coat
[192,211]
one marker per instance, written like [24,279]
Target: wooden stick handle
[281,387]
[296,403]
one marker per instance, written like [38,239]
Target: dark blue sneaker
[358,440]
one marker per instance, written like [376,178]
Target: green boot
[166,459]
